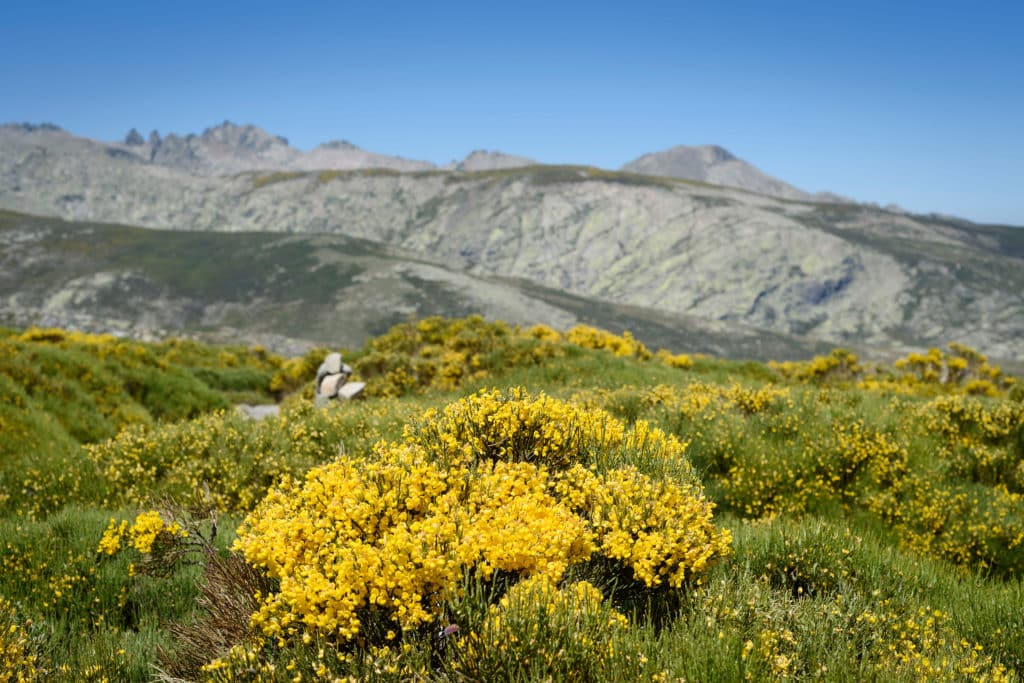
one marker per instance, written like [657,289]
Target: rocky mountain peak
[713,164]
[134,138]
[246,137]
[339,145]
[33,127]
[488,160]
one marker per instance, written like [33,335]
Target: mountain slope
[268,287]
[840,272]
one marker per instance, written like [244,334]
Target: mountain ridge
[230,148]
[845,273]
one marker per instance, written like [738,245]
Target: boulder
[332,364]
[330,384]
[350,390]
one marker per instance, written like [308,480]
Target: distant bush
[95,385]
[839,365]
[443,354]
[961,370]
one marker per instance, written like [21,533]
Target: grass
[261,181]
[874,530]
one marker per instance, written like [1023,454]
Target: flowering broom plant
[366,550]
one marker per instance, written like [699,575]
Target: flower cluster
[960,370]
[149,530]
[234,459]
[592,338]
[494,426]
[922,645]
[18,661]
[659,529]
[840,365]
[539,631]
[435,353]
[442,354]
[963,368]
[497,484]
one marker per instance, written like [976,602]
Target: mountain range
[689,232]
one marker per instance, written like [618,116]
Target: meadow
[506,504]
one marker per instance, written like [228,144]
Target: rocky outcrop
[484,160]
[134,138]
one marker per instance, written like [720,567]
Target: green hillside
[292,291]
[507,503]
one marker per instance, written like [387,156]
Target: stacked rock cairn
[332,380]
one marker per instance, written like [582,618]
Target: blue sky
[920,104]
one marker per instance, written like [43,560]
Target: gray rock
[330,384]
[350,390]
[332,364]
[259,412]
[134,138]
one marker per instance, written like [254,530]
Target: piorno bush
[369,550]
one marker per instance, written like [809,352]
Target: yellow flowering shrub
[491,425]
[539,631]
[926,367]
[544,333]
[698,397]
[968,506]
[18,661]
[660,529]
[592,338]
[441,354]
[981,527]
[840,365]
[148,533]
[981,441]
[923,645]
[960,370]
[494,425]
[495,484]
[235,459]
[398,548]
[624,346]
[674,360]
